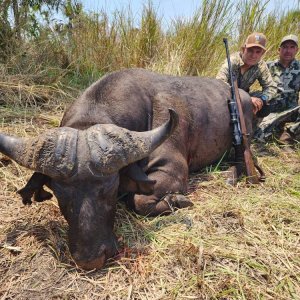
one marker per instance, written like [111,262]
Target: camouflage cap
[290,37]
[256,39]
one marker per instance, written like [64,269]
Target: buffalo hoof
[42,195]
[26,201]
[26,196]
[39,195]
[176,201]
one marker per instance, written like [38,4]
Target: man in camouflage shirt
[247,67]
[284,117]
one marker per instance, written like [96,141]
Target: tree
[26,17]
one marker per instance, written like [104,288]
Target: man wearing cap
[286,73]
[247,67]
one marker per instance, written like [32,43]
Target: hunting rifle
[240,135]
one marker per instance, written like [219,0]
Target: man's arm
[269,87]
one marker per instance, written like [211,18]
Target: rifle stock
[250,167]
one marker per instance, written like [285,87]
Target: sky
[169,9]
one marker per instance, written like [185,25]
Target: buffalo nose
[96,263]
[88,258]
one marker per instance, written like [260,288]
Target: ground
[235,243]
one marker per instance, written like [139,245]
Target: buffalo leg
[34,187]
[167,197]
[152,206]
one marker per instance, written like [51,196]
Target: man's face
[287,51]
[252,56]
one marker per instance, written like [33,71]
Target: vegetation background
[236,243]
[44,54]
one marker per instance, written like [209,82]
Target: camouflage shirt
[288,82]
[258,72]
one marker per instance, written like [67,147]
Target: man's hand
[257,104]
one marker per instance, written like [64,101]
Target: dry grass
[235,243]
[23,91]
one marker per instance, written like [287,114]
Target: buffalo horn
[52,153]
[112,147]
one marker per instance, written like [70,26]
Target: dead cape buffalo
[106,144]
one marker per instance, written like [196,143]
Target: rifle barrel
[234,113]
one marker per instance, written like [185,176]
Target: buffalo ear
[133,179]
